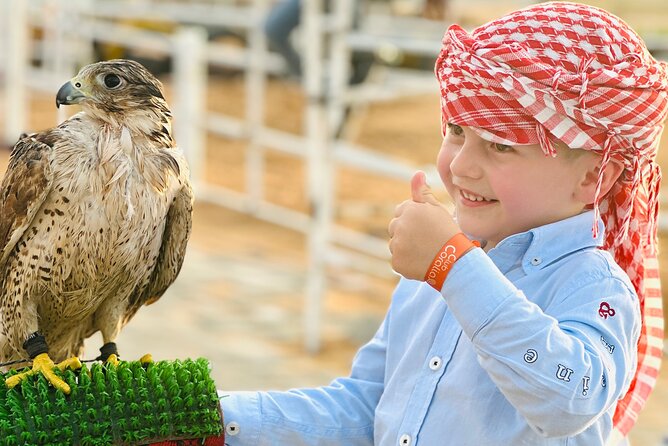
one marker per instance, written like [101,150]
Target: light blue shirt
[532,343]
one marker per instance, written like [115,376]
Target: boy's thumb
[421,191]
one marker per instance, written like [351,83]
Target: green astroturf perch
[127,404]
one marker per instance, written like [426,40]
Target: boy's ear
[586,190]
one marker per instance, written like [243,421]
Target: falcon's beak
[69,94]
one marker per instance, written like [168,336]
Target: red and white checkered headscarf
[576,74]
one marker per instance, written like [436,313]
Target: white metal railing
[105,21]
[322,152]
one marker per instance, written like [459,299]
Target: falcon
[95,217]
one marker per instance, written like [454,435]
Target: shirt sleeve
[561,367]
[340,413]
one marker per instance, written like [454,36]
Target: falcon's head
[115,91]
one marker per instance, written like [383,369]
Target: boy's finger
[391,227]
[400,208]
[421,191]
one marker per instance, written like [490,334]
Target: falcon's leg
[109,353]
[108,317]
[37,349]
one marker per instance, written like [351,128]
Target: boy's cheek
[446,179]
[443,165]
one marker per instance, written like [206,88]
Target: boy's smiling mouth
[472,199]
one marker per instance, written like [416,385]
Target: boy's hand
[420,228]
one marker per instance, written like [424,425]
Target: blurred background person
[282,20]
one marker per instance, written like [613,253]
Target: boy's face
[501,190]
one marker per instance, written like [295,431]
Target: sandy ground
[239,298]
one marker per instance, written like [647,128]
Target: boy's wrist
[454,249]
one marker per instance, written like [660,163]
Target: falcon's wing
[172,252]
[24,188]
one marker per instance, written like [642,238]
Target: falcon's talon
[14,380]
[43,364]
[146,359]
[112,359]
[72,363]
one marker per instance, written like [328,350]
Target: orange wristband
[446,257]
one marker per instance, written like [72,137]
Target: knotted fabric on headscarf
[578,75]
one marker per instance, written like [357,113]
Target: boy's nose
[466,162]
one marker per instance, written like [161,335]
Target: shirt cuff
[241,417]
[474,290]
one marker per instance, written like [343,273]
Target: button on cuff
[232,428]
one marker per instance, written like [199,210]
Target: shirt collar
[541,246]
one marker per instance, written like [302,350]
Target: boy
[536,337]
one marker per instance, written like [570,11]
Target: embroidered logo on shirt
[609,347]
[585,386]
[564,373]
[606,310]
[531,356]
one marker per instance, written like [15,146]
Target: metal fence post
[319,172]
[190,77]
[17,58]
[255,97]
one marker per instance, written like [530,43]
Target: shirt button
[232,428]
[405,440]
[435,363]
[536,261]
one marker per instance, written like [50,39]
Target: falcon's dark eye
[112,81]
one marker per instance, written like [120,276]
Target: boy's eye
[502,147]
[454,129]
